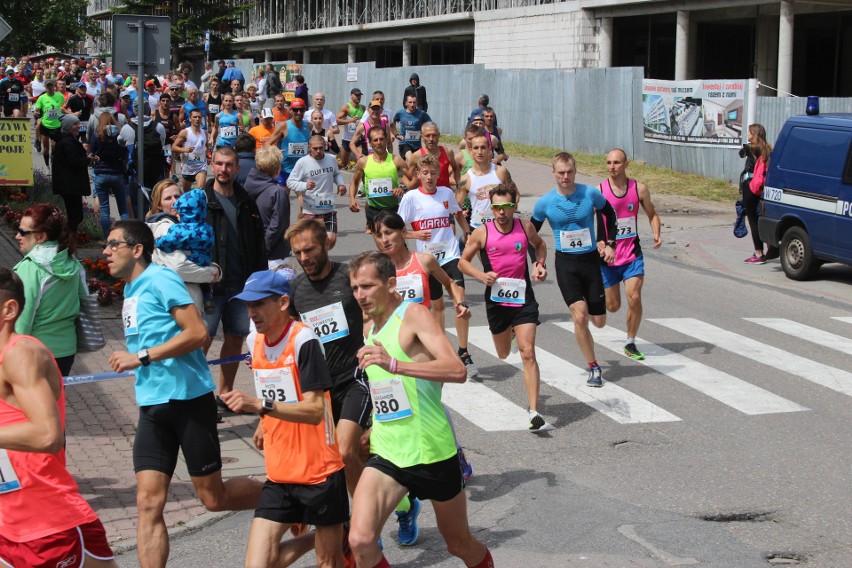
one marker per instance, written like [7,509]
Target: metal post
[140,119]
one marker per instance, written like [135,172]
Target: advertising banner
[696,113]
[16,159]
[286,72]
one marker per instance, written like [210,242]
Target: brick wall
[549,36]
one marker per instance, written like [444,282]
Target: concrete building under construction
[794,46]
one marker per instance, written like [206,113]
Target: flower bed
[108,288]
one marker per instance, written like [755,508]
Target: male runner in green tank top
[407,358]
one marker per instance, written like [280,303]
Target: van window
[816,151]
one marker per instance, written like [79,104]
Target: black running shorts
[579,279]
[439,481]
[324,504]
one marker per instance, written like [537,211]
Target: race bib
[276,384]
[8,478]
[410,287]
[390,401]
[381,187]
[440,250]
[575,241]
[481,216]
[509,291]
[213,109]
[167,150]
[53,113]
[324,203]
[329,322]
[195,159]
[626,228]
[128,316]
[229,131]
[412,135]
[297,149]
[350,129]
[14,97]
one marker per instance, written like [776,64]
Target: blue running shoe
[408,530]
[594,377]
[466,468]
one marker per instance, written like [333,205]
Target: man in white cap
[264,130]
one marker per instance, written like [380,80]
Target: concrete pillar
[681,45]
[351,49]
[267,55]
[406,53]
[605,43]
[785,49]
[306,55]
[692,52]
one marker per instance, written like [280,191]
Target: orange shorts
[61,550]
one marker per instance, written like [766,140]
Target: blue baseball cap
[263,284]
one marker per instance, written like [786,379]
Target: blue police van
[808,194]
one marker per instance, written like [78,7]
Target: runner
[322,299]
[407,358]
[191,146]
[479,180]
[174,390]
[570,210]
[263,131]
[292,139]
[419,279]
[245,120]
[48,111]
[314,178]
[224,131]
[13,95]
[280,111]
[213,100]
[81,104]
[430,136]
[304,478]
[381,173]
[625,195]
[495,135]
[329,119]
[428,211]
[193,102]
[510,303]
[44,521]
[374,119]
[349,116]
[411,120]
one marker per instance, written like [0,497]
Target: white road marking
[484,407]
[613,401]
[843,319]
[629,531]
[807,333]
[727,389]
[813,371]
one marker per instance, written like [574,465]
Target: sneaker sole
[635,356]
[546,428]
[595,385]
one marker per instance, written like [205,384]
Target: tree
[191,18]
[36,25]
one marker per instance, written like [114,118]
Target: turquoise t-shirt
[148,322]
[571,217]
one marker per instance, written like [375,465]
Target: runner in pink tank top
[626,196]
[510,304]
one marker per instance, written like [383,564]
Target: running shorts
[613,275]
[500,318]
[439,481]
[452,270]
[189,425]
[66,549]
[579,279]
[329,219]
[352,402]
[324,504]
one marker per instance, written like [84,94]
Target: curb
[176,531]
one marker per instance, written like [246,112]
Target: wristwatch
[268,406]
[144,358]
[610,244]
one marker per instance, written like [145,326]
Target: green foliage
[191,18]
[61,24]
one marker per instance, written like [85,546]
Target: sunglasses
[113,245]
[24,232]
[502,206]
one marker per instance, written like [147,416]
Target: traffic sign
[5,29]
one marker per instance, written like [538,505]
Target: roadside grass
[659,180]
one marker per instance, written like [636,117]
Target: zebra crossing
[491,411]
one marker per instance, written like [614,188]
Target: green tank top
[468,162]
[357,112]
[379,180]
[409,424]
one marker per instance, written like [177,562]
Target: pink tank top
[627,211]
[505,254]
[48,501]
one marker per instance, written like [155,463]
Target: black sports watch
[144,358]
[268,406]
[610,244]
